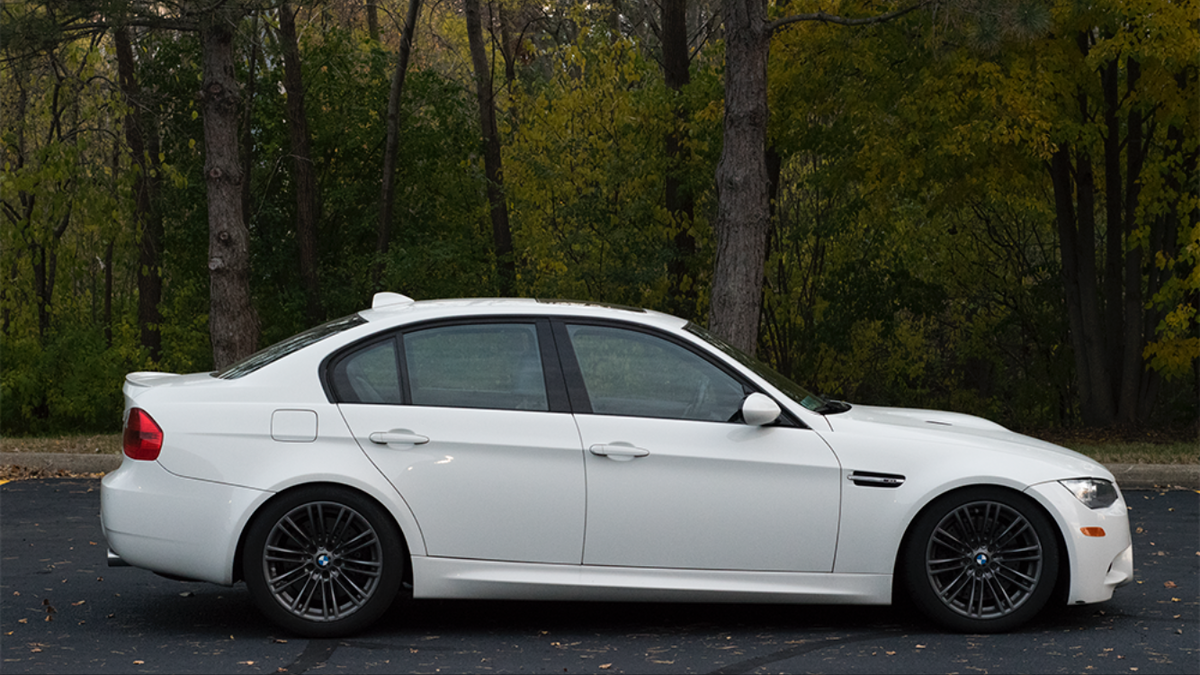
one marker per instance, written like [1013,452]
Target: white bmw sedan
[523,449]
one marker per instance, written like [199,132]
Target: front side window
[794,391]
[491,365]
[628,372]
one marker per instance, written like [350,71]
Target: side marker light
[1092,531]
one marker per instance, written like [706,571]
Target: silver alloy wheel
[984,560]
[322,561]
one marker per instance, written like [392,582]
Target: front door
[675,479]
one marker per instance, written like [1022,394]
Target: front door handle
[621,452]
[398,436]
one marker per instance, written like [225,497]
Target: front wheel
[323,561]
[982,560]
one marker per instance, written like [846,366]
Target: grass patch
[1139,453]
[1129,446]
[81,444]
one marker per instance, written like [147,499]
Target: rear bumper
[172,525]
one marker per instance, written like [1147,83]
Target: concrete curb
[1129,476]
[1151,476]
[54,461]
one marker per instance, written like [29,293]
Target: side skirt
[492,580]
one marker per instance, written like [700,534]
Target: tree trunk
[497,206]
[1092,340]
[1114,258]
[306,181]
[233,322]
[148,221]
[373,20]
[387,197]
[679,201]
[247,149]
[1132,387]
[743,209]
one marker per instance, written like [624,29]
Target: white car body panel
[710,495]
[686,521]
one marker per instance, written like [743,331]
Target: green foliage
[70,383]
[585,168]
[914,258]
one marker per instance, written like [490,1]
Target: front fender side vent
[872,479]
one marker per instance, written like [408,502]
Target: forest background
[988,207]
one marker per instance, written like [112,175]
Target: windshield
[291,345]
[791,389]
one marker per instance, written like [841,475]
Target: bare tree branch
[843,21]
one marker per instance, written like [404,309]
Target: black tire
[323,561]
[981,560]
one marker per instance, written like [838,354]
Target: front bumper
[1097,564]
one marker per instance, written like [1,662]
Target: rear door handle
[621,452]
[398,437]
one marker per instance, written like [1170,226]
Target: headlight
[1095,493]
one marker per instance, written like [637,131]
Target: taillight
[143,436]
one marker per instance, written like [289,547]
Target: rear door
[469,422]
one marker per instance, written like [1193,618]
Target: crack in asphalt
[784,654]
[316,653]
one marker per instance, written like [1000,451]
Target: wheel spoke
[962,517]
[943,565]
[1004,601]
[369,568]
[341,523]
[363,540]
[289,528]
[1017,528]
[945,538]
[280,582]
[356,594]
[1024,582]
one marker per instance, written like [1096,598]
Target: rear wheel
[982,560]
[323,561]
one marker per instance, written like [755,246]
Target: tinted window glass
[632,373]
[480,366]
[369,375]
[794,391]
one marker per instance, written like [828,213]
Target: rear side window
[368,375]
[491,365]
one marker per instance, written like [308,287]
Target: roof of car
[392,306]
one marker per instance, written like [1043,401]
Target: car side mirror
[759,409]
